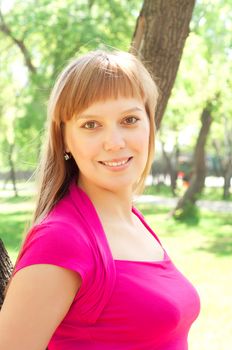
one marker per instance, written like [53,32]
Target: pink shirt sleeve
[56,244]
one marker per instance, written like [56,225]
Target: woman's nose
[114,140]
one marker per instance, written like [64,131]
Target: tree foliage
[204,75]
[38,38]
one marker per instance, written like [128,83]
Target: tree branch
[20,43]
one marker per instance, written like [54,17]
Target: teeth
[115,163]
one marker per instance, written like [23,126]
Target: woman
[91,273]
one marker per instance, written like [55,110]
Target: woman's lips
[115,160]
[117,167]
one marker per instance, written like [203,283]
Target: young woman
[91,273]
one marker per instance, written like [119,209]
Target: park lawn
[201,249]
[208,193]
[15,213]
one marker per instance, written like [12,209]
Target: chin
[119,187]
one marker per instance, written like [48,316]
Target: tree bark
[197,180]
[6,268]
[161,30]
[12,169]
[172,168]
[227,180]
[225,166]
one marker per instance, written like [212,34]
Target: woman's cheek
[142,138]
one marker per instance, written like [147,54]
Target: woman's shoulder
[63,215]
[59,230]
[61,225]
[57,239]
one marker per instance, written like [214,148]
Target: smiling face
[109,142]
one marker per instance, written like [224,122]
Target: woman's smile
[117,165]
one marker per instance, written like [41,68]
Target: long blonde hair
[94,77]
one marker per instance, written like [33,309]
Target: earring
[67,156]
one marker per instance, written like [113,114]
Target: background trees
[39,37]
[202,85]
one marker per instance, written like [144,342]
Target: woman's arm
[37,300]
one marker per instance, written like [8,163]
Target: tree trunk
[161,30]
[172,169]
[6,268]
[197,180]
[225,168]
[227,179]
[12,169]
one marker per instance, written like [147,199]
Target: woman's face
[109,142]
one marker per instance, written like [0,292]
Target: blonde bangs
[92,79]
[109,84]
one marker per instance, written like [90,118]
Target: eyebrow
[91,116]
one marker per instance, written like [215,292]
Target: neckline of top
[74,189]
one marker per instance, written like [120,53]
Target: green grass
[201,249]
[159,190]
[209,193]
[15,213]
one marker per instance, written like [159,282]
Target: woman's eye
[90,125]
[130,120]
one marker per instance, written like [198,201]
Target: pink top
[121,304]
